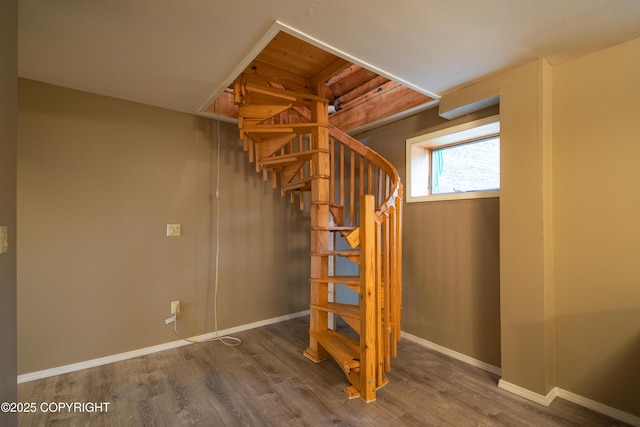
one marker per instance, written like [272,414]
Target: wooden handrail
[365,151]
[394,182]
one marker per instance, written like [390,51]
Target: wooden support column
[368,299]
[320,172]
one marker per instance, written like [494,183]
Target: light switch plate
[173,230]
[4,239]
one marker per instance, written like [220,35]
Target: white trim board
[523,392]
[32,376]
[571,397]
[598,407]
[528,394]
[452,353]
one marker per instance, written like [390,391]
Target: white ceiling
[176,53]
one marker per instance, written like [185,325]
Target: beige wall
[596,143]
[98,180]
[451,255]
[569,229]
[8,138]
[104,176]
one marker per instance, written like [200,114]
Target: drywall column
[526,258]
[8,161]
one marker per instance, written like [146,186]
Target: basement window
[460,162]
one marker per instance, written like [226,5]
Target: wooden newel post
[368,298]
[320,171]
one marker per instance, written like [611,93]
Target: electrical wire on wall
[227,339]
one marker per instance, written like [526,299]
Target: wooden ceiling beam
[377,106]
[352,77]
[369,95]
[361,90]
[328,72]
[352,69]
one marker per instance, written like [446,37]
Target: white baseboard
[528,394]
[32,376]
[520,391]
[571,397]
[598,407]
[459,356]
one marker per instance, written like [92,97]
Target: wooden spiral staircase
[355,195]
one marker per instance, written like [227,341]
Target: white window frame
[418,163]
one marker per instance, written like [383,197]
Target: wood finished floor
[268,382]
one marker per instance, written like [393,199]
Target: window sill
[454,196]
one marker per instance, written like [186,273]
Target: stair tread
[297,185]
[345,350]
[251,115]
[270,129]
[353,282]
[345,310]
[302,184]
[324,202]
[342,252]
[353,238]
[335,228]
[262,111]
[341,280]
[274,161]
[283,94]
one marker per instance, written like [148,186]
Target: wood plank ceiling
[357,97]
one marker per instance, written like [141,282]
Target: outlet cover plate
[4,239]
[175,307]
[174,230]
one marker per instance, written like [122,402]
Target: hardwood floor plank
[268,382]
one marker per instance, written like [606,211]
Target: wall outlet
[175,307]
